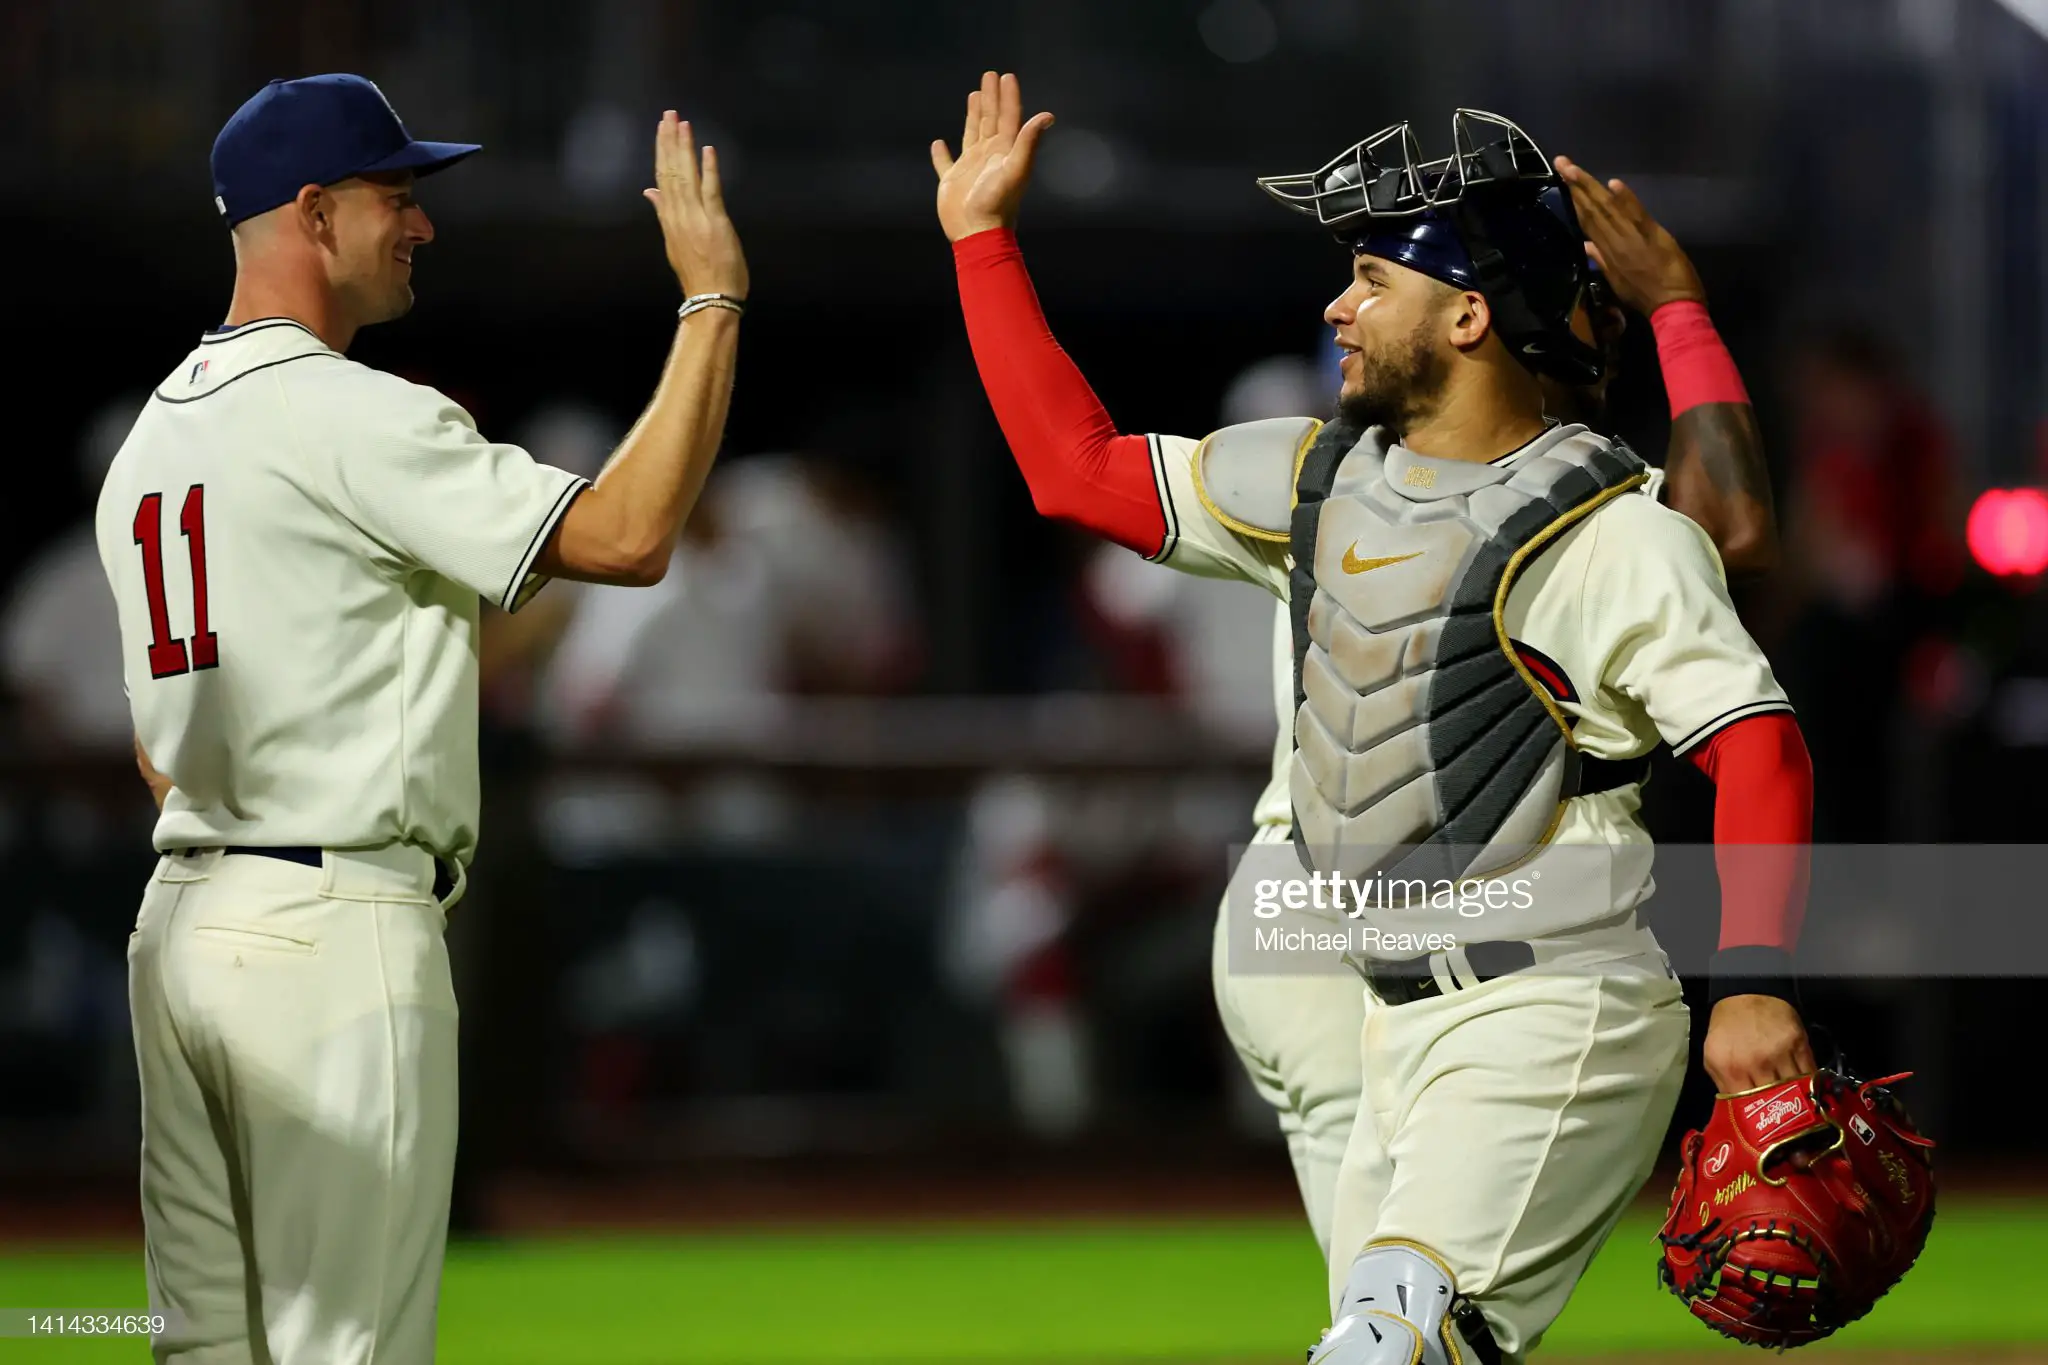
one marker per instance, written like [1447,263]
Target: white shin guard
[1400,1308]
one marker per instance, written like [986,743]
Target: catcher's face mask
[1492,217]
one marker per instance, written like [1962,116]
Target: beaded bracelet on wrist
[697,303]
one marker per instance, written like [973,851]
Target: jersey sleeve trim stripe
[510,600]
[163,397]
[1164,489]
[215,338]
[1727,718]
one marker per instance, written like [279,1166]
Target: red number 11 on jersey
[167,657]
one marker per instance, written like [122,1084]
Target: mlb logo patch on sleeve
[198,372]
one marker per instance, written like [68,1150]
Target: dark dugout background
[1832,166]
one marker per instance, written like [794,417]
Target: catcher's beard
[1399,385]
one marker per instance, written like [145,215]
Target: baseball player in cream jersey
[298,546]
[1296,1035]
[1506,1114]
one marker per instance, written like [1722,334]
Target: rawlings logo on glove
[1799,1207]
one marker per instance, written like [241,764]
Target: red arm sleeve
[1696,364]
[1078,467]
[1763,828]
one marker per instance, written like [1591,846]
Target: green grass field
[1058,1295]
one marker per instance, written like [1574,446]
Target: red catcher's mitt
[1800,1205]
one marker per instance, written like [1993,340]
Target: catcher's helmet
[1492,216]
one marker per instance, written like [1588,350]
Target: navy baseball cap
[314,131]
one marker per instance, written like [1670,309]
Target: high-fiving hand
[703,246]
[1642,260]
[984,186]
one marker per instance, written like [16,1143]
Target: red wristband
[1697,366]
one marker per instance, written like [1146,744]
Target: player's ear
[1471,318]
[314,208]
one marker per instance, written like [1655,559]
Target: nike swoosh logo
[1353,564]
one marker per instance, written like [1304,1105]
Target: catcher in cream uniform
[1508,1114]
[298,547]
[1296,1034]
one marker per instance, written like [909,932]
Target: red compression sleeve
[1078,467]
[1763,828]
[1697,366]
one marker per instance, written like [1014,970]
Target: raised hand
[703,246]
[983,188]
[1643,261]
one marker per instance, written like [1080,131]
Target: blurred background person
[787,586]
[790,584]
[1873,551]
[1039,851]
[570,434]
[63,1008]
[498,950]
[838,567]
[58,640]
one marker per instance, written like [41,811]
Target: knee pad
[1401,1306]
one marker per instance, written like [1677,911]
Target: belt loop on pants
[395,872]
[1402,981]
[1398,981]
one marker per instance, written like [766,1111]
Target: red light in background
[2008,531]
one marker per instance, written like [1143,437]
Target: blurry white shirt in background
[1218,632]
[772,585]
[60,639]
[1216,635]
[62,645]
[696,656]
[838,574]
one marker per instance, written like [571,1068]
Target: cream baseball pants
[1298,1039]
[295,1037]
[1503,1127]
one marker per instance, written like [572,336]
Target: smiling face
[375,224]
[1395,328]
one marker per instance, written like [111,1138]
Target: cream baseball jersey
[1630,606]
[298,546]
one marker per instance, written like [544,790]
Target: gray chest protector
[1425,747]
